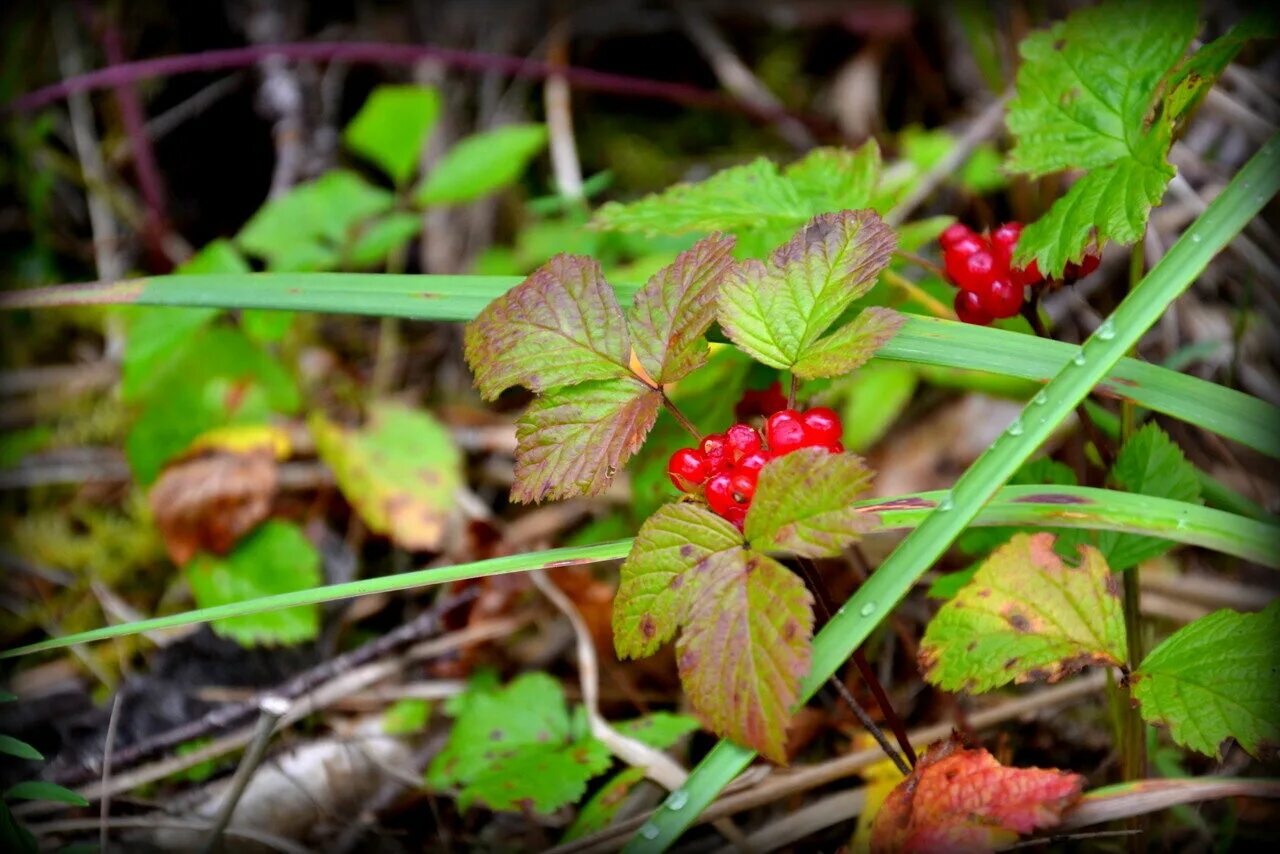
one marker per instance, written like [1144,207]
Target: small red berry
[1074,272]
[688,469]
[760,401]
[736,514]
[743,484]
[742,440]
[966,246]
[1028,275]
[784,431]
[821,426]
[720,492]
[972,272]
[1002,299]
[969,309]
[715,447]
[754,461]
[833,448]
[954,234]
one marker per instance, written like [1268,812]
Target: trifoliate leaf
[674,309]
[744,648]
[572,441]
[661,576]
[518,748]
[965,800]
[804,503]
[1026,616]
[276,558]
[1086,91]
[392,127]
[1215,679]
[482,164]
[777,310]
[562,325]
[401,472]
[851,345]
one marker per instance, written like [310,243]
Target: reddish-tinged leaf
[658,578]
[571,441]
[560,326]
[1026,616]
[851,345]
[675,308]
[804,503]
[778,309]
[964,800]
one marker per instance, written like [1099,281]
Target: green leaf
[873,400]
[598,812]
[777,310]
[274,559]
[562,325]
[518,747]
[836,179]
[482,164]
[744,648]
[16,747]
[1026,616]
[572,441]
[1214,679]
[401,472]
[1085,92]
[13,836]
[40,790]
[381,237]
[850,346]
[1201,71]
[406,716]
[659,730]
[392,127]
[663,574]
[804,504]
[672,312]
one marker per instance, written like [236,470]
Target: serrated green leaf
[392,127]
[850,346]
[406,716]
[663,573]
[276,558]
[535,758]
[778,309]
[572,441]
[378,239]
[836,179]
[1215,679]
[401,472]
[1200,72]
[482,164]
[659,730]
[804,503]
[744,648]
[1085,92]
[560,326]
[1026,616]
[19,748]
[40,790]
[673,311]
[598,812]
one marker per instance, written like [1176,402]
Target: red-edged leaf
[804,503]
[675,308]
[964,800]
[745,647]
[571,441]
[851,345]
[560,326]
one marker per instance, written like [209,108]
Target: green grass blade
[1241,200]
[1037,506]
[922,340]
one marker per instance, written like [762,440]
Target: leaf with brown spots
[1026,616]
[560,326]
[401,472]
[804,504]
[572,441]
[964,800]
[218,492]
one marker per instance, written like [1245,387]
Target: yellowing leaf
[1026,616]
[851,345]
[804,503]
[401,472]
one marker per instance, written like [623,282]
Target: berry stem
[793,391]
[915,292]
[679,416]
[921,262]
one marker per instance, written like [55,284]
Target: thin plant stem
[793,391]
[272,708]
[915,292]
[921,262]
[680,416]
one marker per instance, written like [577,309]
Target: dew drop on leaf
[868,609]
[1107,330]
[1195,238]
[649,831]
[1040,399]
[946,503]
[1015,429]
[677,799]
[1079,359]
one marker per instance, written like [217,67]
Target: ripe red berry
[743,484]
[742,440]
[688,469]
[1086,266]
[784,431]
[972,272]
[1001,299]
[737,514]
[833,448]
[715,447]
[1028,275]
[966,246]
[761,401]
[954,234]
[719,493]
[821,426]
[754,461]
[969,309]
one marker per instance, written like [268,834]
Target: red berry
[973,272]
[736,514]
[772,400]
[1002,299]
[821,426]
[954,234]
[966,246]
[743,484]
[833,448]
[715,447]
[969,309]
[688,469]
[754,461]
[742,440]
[784,431]
[1028,275]
[720,492]
[1086,266]
[761,401]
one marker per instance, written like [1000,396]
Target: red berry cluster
[980,267]
[764,401]
[725,466]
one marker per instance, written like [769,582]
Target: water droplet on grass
[868,609]
[1015,429]
[649,831]
[1195,238]
[677,800]
[1107,330]
[1079,359]
[1040,399]
[946,503]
